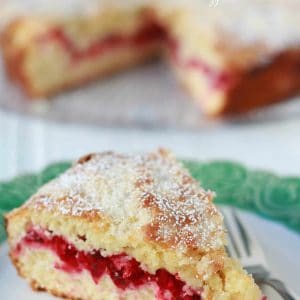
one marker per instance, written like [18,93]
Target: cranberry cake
[116,226]
[232,57]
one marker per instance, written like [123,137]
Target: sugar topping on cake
[152,192]
[12,8]
[237,24]
[271,24]
[255,21]
[251,21]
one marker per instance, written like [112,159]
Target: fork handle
[280,288]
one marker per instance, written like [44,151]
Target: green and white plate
[271,206]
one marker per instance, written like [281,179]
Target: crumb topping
[152,193]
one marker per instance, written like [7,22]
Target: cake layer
[241,91]
[150,32]
[124,271]
[52,61]
[213,272]
[36,265]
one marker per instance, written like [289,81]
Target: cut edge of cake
[46,55]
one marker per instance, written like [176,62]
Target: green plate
[264,193]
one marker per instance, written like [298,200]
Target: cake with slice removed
[118,226]
[227,56]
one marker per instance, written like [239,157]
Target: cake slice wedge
[118,226]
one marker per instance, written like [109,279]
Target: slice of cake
[116,226]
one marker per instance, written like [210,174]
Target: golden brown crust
[264,84]
[14,57]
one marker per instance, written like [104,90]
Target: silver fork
[243,246]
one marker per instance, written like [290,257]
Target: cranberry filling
[146,35]
[124,271]
[149,33]
[218,80]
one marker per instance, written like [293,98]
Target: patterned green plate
[271,196]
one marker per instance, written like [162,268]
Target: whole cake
[117,226]
[232,57]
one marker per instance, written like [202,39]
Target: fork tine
[243,232]
[251,243]
[230,247]
[251,254]
[234,234]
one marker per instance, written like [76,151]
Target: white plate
[147,96]
[280,244]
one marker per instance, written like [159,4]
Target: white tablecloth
[29,144]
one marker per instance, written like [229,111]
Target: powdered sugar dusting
[270,24]
[152,192]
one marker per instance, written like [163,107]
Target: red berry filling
[146,35]
[218,80]
[149,33]
[125,271]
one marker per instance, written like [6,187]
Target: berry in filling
[124,271]
[218,80]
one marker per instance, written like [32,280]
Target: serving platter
[147,96]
